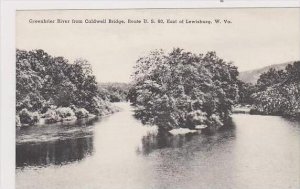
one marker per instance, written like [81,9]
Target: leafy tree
[270,78]
[246,91]
[44,81]
[115,92]
[280,95]
[170,89]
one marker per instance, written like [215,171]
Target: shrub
[81,113]
[215,120]
[197,118]
[18,122]
[99,107]
[64,112]
[59,114]
[27,117]
[51,116]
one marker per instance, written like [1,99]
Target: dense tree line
[171,90]
[278,92]
[114,92]
[53,87]
[183,89]
[246,91]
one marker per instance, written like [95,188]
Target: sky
[256,37]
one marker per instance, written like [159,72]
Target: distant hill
[252,76]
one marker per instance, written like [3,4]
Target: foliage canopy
[182,89]
[279,91]
[44,81]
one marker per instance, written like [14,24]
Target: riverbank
[242,109]
[62,114]
[250,109]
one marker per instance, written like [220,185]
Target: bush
[27,117]
[100,107]
[59,114]
[215,121]
[18,122]
[65,112]
[51,116]
[197,118]
[81,113]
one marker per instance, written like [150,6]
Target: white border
[7,69]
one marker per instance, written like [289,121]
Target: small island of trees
[182,89]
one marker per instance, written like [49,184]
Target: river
[118,152]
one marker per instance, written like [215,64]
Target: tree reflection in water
[202,140]
[55,144]
[53,153]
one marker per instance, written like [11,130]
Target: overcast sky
[257,37]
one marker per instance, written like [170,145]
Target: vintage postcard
[199,98]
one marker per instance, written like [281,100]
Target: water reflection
[53,153]
[163,139]
[206,138]
[55,144]
[119,152]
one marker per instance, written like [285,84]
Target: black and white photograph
[157,98]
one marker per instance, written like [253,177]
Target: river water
[118,152]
